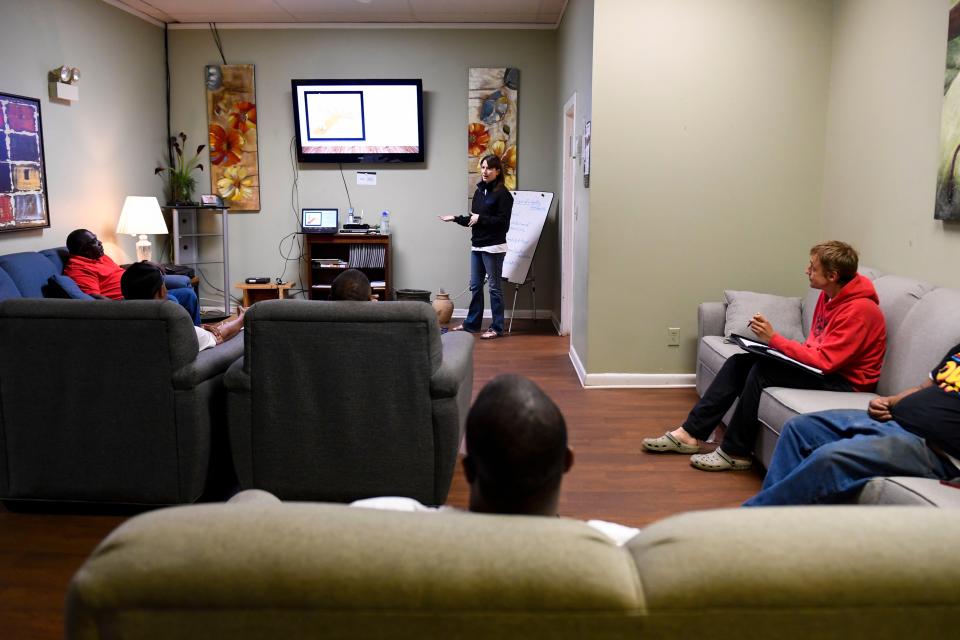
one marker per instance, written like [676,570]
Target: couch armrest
[209,363]
[236,378]
[457,364]
[711,317]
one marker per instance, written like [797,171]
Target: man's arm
[880,408]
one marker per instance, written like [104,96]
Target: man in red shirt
[99,276]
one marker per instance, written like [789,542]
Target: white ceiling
[530,13]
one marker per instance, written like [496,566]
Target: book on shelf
[753,346]
[378,284]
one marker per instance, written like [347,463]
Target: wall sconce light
[65,84]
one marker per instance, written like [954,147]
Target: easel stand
[532,281]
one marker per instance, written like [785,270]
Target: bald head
[516,449]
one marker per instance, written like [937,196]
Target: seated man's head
[517,449]
[85,244]
[352,284]
[143,281]
[832,262]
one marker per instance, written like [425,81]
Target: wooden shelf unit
[337,247]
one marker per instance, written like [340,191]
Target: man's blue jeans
[490,265]
[829,456]
[186,298]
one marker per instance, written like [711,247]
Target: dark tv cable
[216,40]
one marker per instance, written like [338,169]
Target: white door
[567,211]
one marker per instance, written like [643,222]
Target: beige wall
[708,138]
[574,75]
[883,132]
[428,254]
[105,146]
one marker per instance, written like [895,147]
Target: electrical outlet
[674,339]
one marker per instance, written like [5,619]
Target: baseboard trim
[578,365]
[639,380]
[629,380]
[526,314]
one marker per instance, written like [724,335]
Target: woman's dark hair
[493,162]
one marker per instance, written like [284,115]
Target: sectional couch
[921,326]
[311,570]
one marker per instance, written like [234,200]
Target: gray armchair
[108,402]
[338,401]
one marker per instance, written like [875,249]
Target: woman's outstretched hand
[446,218]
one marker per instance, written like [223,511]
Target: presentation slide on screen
[358,118]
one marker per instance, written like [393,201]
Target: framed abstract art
[23,179]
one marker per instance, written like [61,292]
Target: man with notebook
[847,343]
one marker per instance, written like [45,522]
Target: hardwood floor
[610,480]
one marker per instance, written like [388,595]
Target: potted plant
[180,173]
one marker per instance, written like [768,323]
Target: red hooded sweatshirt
[848,335]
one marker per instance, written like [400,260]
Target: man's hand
[473,219]
[761,327]
[879,408]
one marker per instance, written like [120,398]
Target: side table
[257,292]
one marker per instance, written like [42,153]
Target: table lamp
[141,215]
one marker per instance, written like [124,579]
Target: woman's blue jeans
[490,265]
[829,456]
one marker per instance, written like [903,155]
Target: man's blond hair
[837,256]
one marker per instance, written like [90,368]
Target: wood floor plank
[612,479]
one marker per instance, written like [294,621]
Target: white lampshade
[141,215]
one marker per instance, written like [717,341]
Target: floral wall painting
[23,179]
[492,122]
[232,127]
[948,181]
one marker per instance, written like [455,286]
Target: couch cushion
[61,286]
[7,287]
[909,491]
[782,312]
[779,404]
[29,271]
[929,329]
[58,256]
[897,296]
[712,352]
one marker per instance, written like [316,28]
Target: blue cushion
[7,288]
[29,270]
[61,286]
[58,256]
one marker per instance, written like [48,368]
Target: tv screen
[358,121]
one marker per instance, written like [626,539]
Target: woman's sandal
[489,334]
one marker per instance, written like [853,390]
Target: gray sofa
[307,570]
[921,326]
[338,401]
[109,402]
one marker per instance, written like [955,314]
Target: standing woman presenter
[489,221]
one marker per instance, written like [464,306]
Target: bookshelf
[328,255]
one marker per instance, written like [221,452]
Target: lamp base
[144,249]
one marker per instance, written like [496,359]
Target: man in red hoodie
[847,341]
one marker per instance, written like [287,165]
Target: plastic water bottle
[385,222]
[350,216]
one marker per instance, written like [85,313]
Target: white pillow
[783,313]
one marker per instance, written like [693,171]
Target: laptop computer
[319,220]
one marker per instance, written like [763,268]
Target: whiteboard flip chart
[530,209]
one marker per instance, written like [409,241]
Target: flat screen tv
[358,121]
